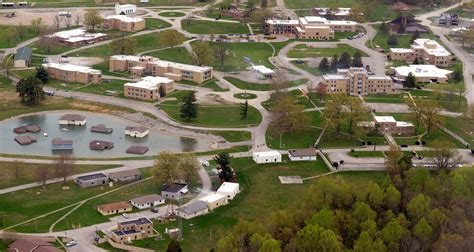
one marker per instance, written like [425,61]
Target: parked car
[124,215]
[71,244]
[299,61]
[155,210]
[205,163]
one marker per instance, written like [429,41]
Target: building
[73,73]
[115,208]
[302,154]
[263,72]
[73,119]
[424,50]
[357,81]
[192,209]
[100,145]
[137,229]
[147,201]
[96,179]
[125,9]
[406,24]
[25,140]
[449,19]
[101,128]
[137,131]
[135,149]
[23,57]
[149,88]
[229,189]
[78,37]
[215,200]
[388,124]
[126,176]
[146,65]
[174,191]
[124,23]
[266,157]
[310,27]
[422,73]
[31,245]
[59,144]
[339,13]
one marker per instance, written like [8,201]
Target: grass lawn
[440,135]
[215,27]
[109,247]
[155,23]
[387,98]
[307,68]
[260,87]
[380,39]
[102,88]
[462,126]
[218,15]
[366,154]
[339,35]
[177,54]
[171,14]
[58,48]
[213,85]
[303,51]
[454,103]
[4,244]
[329,140]
[245,96]
[300,139]
[234,136]
[4,40]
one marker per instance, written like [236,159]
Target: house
[27,128]
[449,19]
[422,73]
[131,230]
[135,149]
[73,73]
[59,144]
[147,201]
[72,119]
[115,208]
[215,200]
[302,154]
[136,131]
[405,24]
[124,23]
[25,140]
[31,245]
[96,179]
[149,88]
[229,189]
[192,209]
[424,50]
[263,72]
[78,37]
[23,57]
[100,128]
[388,124]
[126,176]
[266,157]
[125,9]
[100,145]
[174,191]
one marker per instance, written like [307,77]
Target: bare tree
[57,22]
[220,52]
[279,84]
[93,19]
[67,21]
[46,41]
[37,24]
[321,91]
[445,156]
[7,64]
[42,174]
[77,20]
[64,166]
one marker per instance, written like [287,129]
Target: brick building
[149,88]
[425,50]
[78,37]
[73,73]
[131,230]
[124,23]
[388,124]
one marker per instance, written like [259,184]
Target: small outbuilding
[192,209]
[25,140]
[229,189]
[100,145]
[263,72]
[115,208]
[61,144]
[215,200]
[174,191]
[72,119]
[27,128]
[147,201]
[135,149]
[136,131]
[23,57]
[266,157]
[126,176]
[100,128]
[302,154]
[91,180]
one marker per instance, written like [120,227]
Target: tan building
[422,73]
[425,50]
[137,229]
[73,73]
[388,124]
[149,88]
[114,208]
[357,81]
[215,200]
[311,27]
[140,65]
[124,23]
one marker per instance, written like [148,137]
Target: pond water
[81,135]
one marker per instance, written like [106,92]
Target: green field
[260,87]
[29,33]
[55,49]
[155,23]
[177,54]
[303,51]
[171,14]
[257,52]
[245,96]
[305,66]
[462,126]
[381,38]
[102,88]
[215,27]
[402,97]
[234,136]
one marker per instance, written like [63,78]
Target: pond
[156,141]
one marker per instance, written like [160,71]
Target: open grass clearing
[260,87]
[234,136]
[257,52]
[214,27]
[366,154]
[462,126]
[57,48]
[177,54]
[155,23]
[387,98]
[305,66]
[303,51]
[403,41]
[104,88]
[7,41]
[171,14]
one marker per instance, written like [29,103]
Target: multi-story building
[124,23]
[357,81]
[311,27]
[149,88]
[73,73]
[388,124]
[131,230]
[425,50]
[422,73]
[78,37]
[140,65]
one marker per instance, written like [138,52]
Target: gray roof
[302,152]
[173,188]
[193,207]
[72,117]
[127,173]
[24,53]
[147,199]
[140,129]
[139,221]
[92,176]
[58,140]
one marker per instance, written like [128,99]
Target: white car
[205,163]
[71,243]
[125,215]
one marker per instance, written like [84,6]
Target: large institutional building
[78,37]
[311,27]
[425,50]
[124,23]
[73,73]
[357,81]
[388,124]
[422,73]
[146,65]
[149,88]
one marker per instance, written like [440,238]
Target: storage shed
[266,157]
[23,57]
[95,179]
[302,154]
[229,189]
[192,209]
[214,200]
[147,201]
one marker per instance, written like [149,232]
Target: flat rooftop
[125,19]
[92,176]
[381,119]
[213,197]
[72,68]
[139,221]
[423,71]
[149,82]
[267,153]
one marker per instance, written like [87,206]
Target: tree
[457,74]
[366,243]
[220,52]
[334,61]
[445,156]
[64,166]
[423,231]
[189,107]
[324,65]
[68,21]
[244,108]
[392,198]
[46,42]
[418,207]
[57,22]
[357,60]
[287,116]
[383,27]
[410,81]
[264,3]
[415,114]
[392,40]
[392,160]
[260,16]
[334,113]
[431,112]
[174,246]
[42,74]
[357,112]
[203,54]
[10,35]
[17,170]
[415,36]
[123,46]
[392,234]
[171,38]
[30,90]
[37,25]
[93,19]
[226,173]
[7,64]
[77,20]
[42,174]
[170,167]
[321,90]
[315,238]
[344,61]
[356,13]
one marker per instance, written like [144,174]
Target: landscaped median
[214,27]
[260,86]
[303,51]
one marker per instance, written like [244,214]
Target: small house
[139,150]
[136,131]
[174,191]
[72,119]
[23,57]
[25,140]
[302,154]
[215,200]
[263,72]
[126,176]
[31,244]
[96,179]
[229,189]
[192,209]
[266,157]
[100,145]
[147,201]
[115,208]
[100,128]
[59,144]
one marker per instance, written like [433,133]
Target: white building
[125,9]
[76,37]
[72,119]
[339,12]
[215,200]
[263,72]
[302,154]
[192,209]
[423,73]
[266,157]
[136,131]
[229,189]
[147,201]
[149,88]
